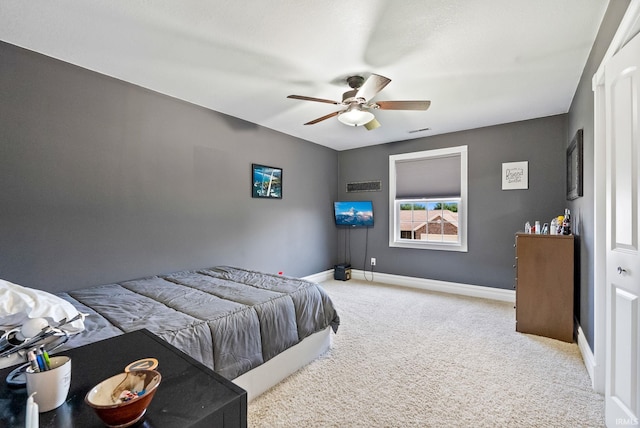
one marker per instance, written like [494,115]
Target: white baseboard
[441,286]
[589,361]
[320,276]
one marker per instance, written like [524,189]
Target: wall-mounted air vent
[364,186]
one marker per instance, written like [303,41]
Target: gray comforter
[230,319]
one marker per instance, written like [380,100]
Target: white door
[622,93]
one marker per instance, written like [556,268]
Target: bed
[253,328]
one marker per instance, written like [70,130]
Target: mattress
[230,319]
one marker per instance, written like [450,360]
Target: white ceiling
[480,62]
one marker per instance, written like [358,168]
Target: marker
[40,359]
[45,355]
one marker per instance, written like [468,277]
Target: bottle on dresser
[566,222]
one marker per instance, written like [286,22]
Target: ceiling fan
[358,102]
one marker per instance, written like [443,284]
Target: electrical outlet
[373,261]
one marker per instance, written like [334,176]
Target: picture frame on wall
[575,167]
[515,175]
[266,181]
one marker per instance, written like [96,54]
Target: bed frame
[260,379]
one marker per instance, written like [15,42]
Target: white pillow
[17,304]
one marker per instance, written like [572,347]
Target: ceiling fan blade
[319,100]
[374,84]
[320,119]
[373,124]
[403,105]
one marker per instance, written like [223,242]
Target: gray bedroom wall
[494,215]
[102,181]
[581,116]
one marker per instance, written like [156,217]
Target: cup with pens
[48,379]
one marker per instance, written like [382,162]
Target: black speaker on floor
[342,272]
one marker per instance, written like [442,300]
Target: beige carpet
[413,358]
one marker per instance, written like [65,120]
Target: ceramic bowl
[122,400]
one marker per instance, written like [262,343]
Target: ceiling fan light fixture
[355,116]
[358,102]
[374,124]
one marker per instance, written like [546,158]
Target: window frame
[395,239]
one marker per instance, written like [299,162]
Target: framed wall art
[515,175]
[574,167]
[266,181]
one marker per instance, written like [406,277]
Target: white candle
[27,416]
[35,416]
[32,417]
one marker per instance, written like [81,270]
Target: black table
[190,394]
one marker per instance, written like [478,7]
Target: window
[428,199]
[429,220]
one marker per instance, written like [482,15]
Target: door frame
[629,27]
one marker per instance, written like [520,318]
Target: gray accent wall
[581,116]
[102,181]
[495,215]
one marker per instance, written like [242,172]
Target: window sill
[429,246]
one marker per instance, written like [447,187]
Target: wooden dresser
[544,285]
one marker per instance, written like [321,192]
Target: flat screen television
[353,213]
